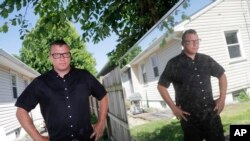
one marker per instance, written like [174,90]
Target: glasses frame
[192,42]
[59,55]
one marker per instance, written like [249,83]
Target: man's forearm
[103,109]
[27,123]
[165,95]
[223,86]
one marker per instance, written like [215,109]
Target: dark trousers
[210,129]
[86,138]
[80,135]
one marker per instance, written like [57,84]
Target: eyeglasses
[58,55]
[192,42]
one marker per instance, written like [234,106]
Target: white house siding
[8,120]
[126,83]
[210,23]
[165,54]
[136,79]
[20,84]
[227,15]
[150,94]
[140,86]
[36,115]
[7,109]
[5,89]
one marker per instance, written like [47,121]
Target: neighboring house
[127,83]
[223,26]
[14,77]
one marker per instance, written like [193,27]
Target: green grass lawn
[235,114]
[170,130]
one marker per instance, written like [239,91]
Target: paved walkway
[145,117]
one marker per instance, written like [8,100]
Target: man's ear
[50,58]
[182,43]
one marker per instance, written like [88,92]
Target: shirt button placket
[68,106]
[204,96]
[203,93]
[198,79]
[72,136]
[194,65]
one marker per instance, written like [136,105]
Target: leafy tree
[128,57]
[129,19]
[35,49]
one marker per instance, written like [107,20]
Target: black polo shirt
[64,102]
[191,81]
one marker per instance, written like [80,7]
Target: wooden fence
[117,122]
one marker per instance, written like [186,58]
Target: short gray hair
[189,31]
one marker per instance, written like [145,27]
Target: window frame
[14,86]
[156,74]
[143,73]
[242,56]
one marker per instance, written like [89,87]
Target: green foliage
[93,120]
[127,58]
[130,20]
[243,96]
[35,49]
[235,114]
[127,104]
[4,28]
[160,130]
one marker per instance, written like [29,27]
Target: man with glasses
[63,94]
[194,106]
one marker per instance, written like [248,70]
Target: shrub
[243,96]
[93,120]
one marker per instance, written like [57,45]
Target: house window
[155,65]
[144,74]
[233,44]
[14,85]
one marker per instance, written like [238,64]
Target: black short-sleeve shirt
[191,80]
[64,102]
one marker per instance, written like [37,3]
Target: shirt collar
[197,55]
[72,69]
